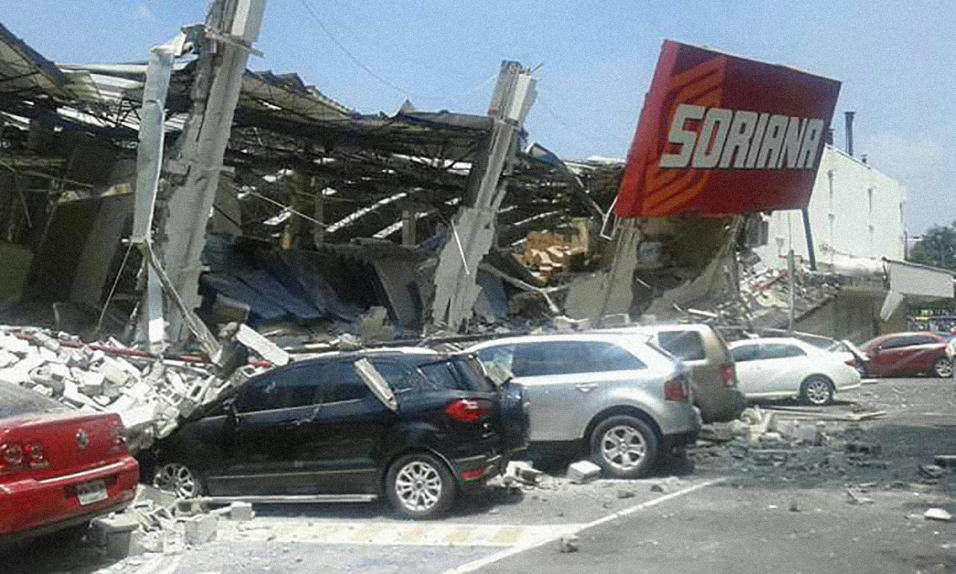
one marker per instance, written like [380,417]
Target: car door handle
[585,387]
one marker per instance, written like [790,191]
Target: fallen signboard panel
[720,134]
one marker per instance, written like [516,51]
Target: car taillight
[727,373]
[466,411]
[18,456]
[11,455]
[676,390]
[116,437]
[851,362]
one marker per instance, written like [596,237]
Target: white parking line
[517,549]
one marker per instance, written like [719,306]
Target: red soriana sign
[721,134]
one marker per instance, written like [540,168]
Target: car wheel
[420,486]
[624,446]
[943,368]
[817,390]
[177,478]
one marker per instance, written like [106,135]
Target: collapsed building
[311,221]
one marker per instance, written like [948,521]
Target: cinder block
[583,471]
[241,511]
[201,529]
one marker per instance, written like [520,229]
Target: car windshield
[16,400]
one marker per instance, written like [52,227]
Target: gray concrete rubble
[157,522]
[583,471]
[151,395]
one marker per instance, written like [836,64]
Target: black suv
[411,424]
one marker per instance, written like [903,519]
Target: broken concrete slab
[938,514]
[931,470]
[583,471]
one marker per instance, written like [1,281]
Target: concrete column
[472,228]
[193,171]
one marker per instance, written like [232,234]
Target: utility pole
[191,175]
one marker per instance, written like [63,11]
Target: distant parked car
[782,367]
[59,468]
[902,354]
[322,427]
[619,398]
[703,350]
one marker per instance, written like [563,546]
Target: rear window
[459,374]
[16,400]
[686,345]
[780,351]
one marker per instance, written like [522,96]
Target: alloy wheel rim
[178,479]
[418,486]
[818,392]
[623,447]
[944,369]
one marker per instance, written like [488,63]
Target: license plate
[90,492]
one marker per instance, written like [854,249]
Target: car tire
[943,368]
[817,390]
[419,486]
[624,446]
[179,479]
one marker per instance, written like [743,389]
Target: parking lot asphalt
[720,514]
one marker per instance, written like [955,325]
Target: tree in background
[937,247]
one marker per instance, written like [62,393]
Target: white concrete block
[201,529]
[938,514]
[583,471]
[241,511]
[113,371]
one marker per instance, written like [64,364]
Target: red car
[901,354]
[58,467]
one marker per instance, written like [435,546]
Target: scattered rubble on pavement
[157,522]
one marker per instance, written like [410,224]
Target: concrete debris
[524,472]
[583,471]
[855,499]
[945,460]
[669,484]
[938,514]
[568,544]
[200,529]
[931,471]
[625,494]
[151,395]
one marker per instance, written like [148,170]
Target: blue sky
[897,62]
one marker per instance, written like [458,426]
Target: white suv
[625,401]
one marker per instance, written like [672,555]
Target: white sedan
[785,367]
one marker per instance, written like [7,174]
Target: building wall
[854,211]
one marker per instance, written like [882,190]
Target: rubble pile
[151,395]
[762,442]
[157,522]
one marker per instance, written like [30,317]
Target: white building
[856,221]
[856,218]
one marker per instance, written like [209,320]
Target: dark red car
[58,467]
[901,354]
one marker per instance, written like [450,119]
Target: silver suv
[625,401]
